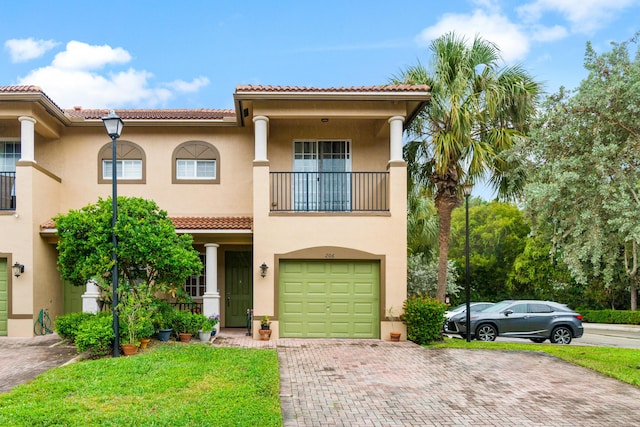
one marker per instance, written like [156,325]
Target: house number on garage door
[329,256]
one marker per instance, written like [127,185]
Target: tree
[497,236]
[422,276]
[150,254]
[477,111]
[585,160]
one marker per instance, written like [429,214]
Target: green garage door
[336,299]
[4,296]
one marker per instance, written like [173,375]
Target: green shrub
[162,314]
[95,336]
[625,317]
[424,317]
[186,322]
[66,326]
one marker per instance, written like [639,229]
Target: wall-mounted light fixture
[18,269]
[263,269]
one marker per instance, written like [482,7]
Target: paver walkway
[22,359]
[377,383]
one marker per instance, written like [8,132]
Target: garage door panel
[340,288]
[293,288]
[332,299]
[293,308]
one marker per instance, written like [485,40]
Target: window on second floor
[130,163]
[9,155]
[196,162]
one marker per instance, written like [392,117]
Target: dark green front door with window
[238,287]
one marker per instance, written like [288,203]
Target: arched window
[196,162]
[130,163]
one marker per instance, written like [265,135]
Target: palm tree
[477,111]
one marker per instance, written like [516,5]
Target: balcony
[7,191]
[329,191]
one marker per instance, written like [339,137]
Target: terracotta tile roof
[24,89]
[213,223]
[342,89]
[195,223]
[181,114]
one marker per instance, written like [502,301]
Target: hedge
[625,317]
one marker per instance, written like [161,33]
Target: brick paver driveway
[376,383]
[22,359]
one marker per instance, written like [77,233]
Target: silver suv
[535,320]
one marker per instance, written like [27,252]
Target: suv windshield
[497,307]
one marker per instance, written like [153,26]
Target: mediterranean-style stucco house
[308,183]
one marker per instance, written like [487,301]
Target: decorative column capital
[211,245]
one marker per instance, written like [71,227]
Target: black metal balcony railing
[7,191]
[329,191]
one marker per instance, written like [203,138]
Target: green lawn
[169,385]
[619,363]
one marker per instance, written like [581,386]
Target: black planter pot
[164,334]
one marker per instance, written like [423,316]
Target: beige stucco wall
[383,235]
[77,161]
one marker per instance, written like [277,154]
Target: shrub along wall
[625,317]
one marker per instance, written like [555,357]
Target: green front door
[238,287]
[4,296]
[72,298]
[336,299]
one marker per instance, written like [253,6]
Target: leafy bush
[625,317]
[163,314]
[186,322]
[66,326]
[95,335]
[424,317]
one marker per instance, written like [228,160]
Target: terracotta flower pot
[265,334]
[395,336]
[144,342]
[185,337]
[129,349]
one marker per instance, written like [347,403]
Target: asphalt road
[595,334]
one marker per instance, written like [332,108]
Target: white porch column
[90,298]
[211,297]
[395,138]
[27,138]
[261,126]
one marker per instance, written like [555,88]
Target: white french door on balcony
[322,179]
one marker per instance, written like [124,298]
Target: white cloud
[22,50]
[71,79]
[192,86]
[585,16]
[82,56]
[494,27]
[548,34]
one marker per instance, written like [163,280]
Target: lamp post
[466,191]
[114,124]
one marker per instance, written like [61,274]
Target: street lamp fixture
[114,124]
[466,191]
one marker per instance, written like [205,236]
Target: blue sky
[192,54]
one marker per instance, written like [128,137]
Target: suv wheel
[561,335]
[486,332]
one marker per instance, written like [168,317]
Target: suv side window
[519,308]
[540,308]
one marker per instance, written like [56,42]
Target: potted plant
[163,319]
[144,331]
[265,328]
[186,324]
[395,334]
[207,327]
[134,311]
